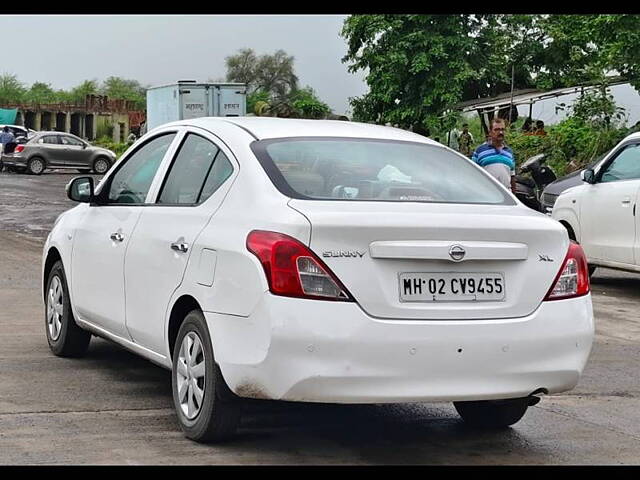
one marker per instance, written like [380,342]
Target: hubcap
[55,308]
[190,375]
[36,166]
[101,166]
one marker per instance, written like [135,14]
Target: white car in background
[601,213]
[318,261]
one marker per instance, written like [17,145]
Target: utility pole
[513,65]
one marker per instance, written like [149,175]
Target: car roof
[263,128]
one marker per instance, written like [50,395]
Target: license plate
[448,287]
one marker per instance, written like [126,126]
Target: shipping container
[190,99]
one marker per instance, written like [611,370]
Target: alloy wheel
[190,375]
[37,166]
[55,308]
[101,166]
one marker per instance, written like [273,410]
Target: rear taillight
[292,269]
[573,278]
[18,148]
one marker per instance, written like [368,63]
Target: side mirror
[80,189]
[588,175]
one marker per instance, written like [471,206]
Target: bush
[108,143]
[569,145]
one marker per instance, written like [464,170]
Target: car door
[607,213]
[49,147]
[75,152]
[194,186]
[103,234]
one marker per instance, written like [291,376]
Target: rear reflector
[292,269]
[573,278]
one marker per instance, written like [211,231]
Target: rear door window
[49,140]
[198,170]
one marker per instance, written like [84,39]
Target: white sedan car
[601,214]
[318,261]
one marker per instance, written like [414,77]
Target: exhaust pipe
[533,397]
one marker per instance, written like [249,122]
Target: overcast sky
[65,50]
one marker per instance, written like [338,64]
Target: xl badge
[544,258]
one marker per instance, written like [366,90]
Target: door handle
[180,246]
[117,237]
[626,201]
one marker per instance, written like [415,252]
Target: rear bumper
[12,160]
[317,351]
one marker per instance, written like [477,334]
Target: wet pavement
[113,407]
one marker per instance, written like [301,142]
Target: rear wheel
[65,337]
[36,166]
[101,165]
[207,409]
[492,414]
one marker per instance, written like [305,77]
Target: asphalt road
[113,407]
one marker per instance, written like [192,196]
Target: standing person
[465,141]
[6,137]
[495,157]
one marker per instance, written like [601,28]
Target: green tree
[121,88]
[257,96]
[40,92]
[11,89]
[269,73]
[241,68]
[79,93]
[419,66]
[307,104]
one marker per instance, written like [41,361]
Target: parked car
[318,261]
[552,191]
[58,150]
[600,213]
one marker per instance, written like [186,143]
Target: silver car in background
[57,150]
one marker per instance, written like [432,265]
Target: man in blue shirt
[5,137]
[495,157]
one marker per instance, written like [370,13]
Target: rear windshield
[374,170]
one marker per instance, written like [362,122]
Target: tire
[65,337]
[592,269]
[36,166]
[492,414]
[101,165]
[217,415]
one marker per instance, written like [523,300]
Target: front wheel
[207,409]
[492,414]
[65,337]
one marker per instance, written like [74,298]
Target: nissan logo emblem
[456,252]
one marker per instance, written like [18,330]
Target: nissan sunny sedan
[318,261]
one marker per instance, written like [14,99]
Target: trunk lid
[373,247]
